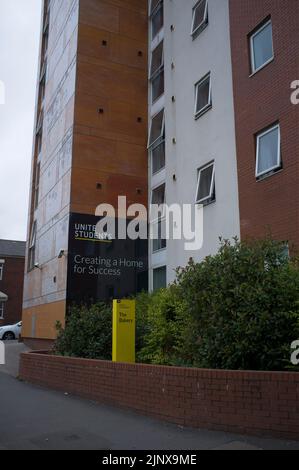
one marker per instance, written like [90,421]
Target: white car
[10,332]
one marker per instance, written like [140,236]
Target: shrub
[244,304]
[238,309]
[88,330]
[160,343]
[87,333]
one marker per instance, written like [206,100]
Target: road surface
[36,418]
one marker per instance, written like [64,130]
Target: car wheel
[9,336]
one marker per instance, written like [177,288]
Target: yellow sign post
[123,337]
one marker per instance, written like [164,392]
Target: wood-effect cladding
[110,133]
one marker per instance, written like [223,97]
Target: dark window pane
[157,127]
[205,181]
[157,21]
[203,95]
[159,242]
[262,44]
[158,157]
[159,278]
[157,59]
[154,4]
[199,15]
[158,196]
[158,86]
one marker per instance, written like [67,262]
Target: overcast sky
[19,45]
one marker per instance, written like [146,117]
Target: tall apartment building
[191,101]
[196,111]
[90,147]
[222,129]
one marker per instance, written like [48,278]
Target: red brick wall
[258,403]
[260,100]
[12,285]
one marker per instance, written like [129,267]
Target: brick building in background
[12,262]
[265,61]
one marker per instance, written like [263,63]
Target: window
[39,142]
[1,269]
[1,310]
[46,41]
[199,18]
[43,73]
[203,96]
[158,223]
[159,278]
[157,142]
[158,157]
[261,46]
[158,195]
[42,91]
[36,186]
[157,129]
[32,246]
[268,154]
[157,72]
[157,17]
[158,86]
[154,4]
[157,60]
[206,193]
[39,125]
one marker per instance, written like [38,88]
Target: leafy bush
[238,309]
[88,330]
[164,328]
[87,333]
[244,303]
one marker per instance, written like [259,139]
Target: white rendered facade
[193,141]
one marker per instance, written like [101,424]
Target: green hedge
[87,333]
[244,305]
[238,309]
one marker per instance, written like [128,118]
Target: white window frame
[1,310]
[253,68]
[1,269]
[212,186]
[198,113]
[150,144]
[195,31]
[259,136]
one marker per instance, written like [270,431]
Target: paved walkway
[36,418]
[13,349]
